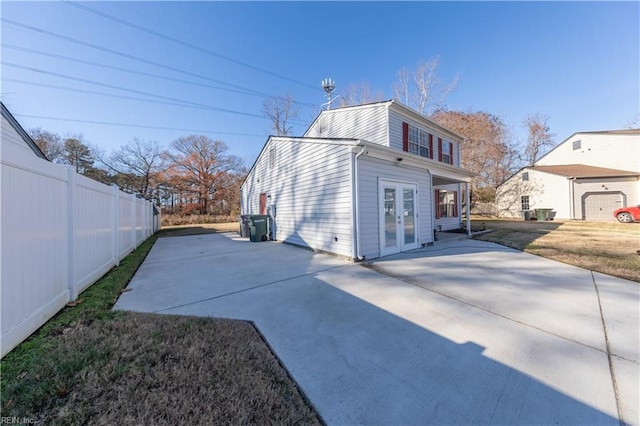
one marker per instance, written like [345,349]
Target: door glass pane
[409,215]
[390,239]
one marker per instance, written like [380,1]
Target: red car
[627,214]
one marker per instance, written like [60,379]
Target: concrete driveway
[465,332]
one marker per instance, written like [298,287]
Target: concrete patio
[463,332]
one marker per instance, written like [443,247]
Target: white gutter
[356,204]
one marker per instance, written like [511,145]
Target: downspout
[572,191]
[356,204]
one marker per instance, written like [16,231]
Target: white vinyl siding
[310,186]
[546,190]
[449,223]
[367,122]
[621,152]
[395,135]
[370,170]
[9,134]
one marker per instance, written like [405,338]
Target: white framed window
[447,203]
[446,152]
[524,202]
[577,145]
[418,142]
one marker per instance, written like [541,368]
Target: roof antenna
[328,85]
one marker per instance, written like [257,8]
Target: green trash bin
[543,214]
[258,228]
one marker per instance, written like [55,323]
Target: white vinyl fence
[60,233]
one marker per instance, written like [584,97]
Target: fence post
[134,222]
[116,224]
[71,234]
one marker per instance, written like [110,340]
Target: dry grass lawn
[202,228]
[153,369]
[92,365]
[607,247]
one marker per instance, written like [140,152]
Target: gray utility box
[258,227]
[244,225]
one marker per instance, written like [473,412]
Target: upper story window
[577,145]
[525,176]
[418,142]
[446,152]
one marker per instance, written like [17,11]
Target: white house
[12,132]
[362,182]
[586,177]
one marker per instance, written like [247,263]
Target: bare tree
[199,167]
[539,137]
[421,88]
[142,162]
[487,148]
[78,153]
[358,94]
[49,143]
[280,110]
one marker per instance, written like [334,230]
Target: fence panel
[60,232]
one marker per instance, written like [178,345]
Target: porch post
[467,199]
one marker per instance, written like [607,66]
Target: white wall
[311,188]
[547,190]
[367,122]
[370,171]
[60,232]
[612,151]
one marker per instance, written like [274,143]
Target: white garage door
[600,205]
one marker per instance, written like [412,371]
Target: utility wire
[122,54]
[130,90]
[91,92]
[102,65]
[184,43]
[107,123]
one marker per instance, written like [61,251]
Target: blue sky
[578,62]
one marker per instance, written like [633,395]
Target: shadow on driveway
[370,349]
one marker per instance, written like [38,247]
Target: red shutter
[437,191]
[439,149]
[451,153]
[263,203]
[405,136]
[455,203]
[430,146]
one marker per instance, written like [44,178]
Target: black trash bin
[244,225]
[258,227]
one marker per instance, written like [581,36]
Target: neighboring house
[586,177]
[362,182]
[12,132]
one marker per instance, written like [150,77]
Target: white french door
[398,217]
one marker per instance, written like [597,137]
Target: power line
[131,90]
[107,123]
[122,54]
[98,64]
[184,43]
[113,67]
[91,92]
